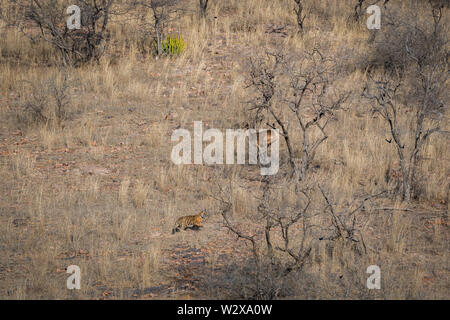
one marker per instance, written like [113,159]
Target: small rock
[91,170]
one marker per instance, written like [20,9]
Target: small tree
[50,19]
[411,94]
[299,13]
[285,228]
[297,87]
[163,11]
[359,10]
[274,218]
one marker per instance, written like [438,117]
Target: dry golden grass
[101,191]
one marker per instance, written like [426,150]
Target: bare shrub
[41,20]
[45,102]
[292,219]
[411,92]
[296,87]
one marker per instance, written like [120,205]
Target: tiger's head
[204,214]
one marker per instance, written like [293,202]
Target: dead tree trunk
[203,7]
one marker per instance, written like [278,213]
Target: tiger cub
[190,221]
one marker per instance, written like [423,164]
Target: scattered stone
[93,170]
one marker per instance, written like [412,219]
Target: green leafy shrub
[173,45]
